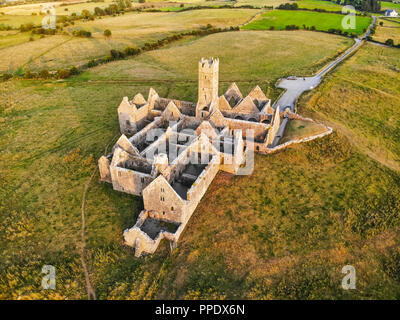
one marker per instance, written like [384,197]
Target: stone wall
[128,180]
[160,197]
[275,127]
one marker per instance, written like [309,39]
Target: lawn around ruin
[45,171]
[284,232]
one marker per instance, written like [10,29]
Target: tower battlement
[209,65]
[208,86]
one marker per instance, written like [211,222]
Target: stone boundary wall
[295,141]
[146,244]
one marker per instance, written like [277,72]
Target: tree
[112,9]
[389,42]
[107,33]
[44,74]
[365,5]
[99,12]
[63,74]
[86,14]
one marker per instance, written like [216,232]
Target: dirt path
[45,52]
[90,291]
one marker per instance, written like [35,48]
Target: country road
[295,86]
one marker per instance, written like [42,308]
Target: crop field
[279,19]
[389,30]
[130,29]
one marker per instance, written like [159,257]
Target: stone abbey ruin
[175,149]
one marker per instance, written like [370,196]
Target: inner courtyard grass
[279,19]
[284,232]
[298,129]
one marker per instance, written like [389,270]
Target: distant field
[319,4]
[389,30]
[261,3]
[127,30]
[279,19]
[16,21]
[28,9]
[267,50]
[12,38]
[363,98]
[390,5]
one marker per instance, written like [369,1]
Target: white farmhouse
[391,13]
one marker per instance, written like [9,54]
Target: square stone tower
[208,86]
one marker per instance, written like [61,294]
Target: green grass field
[266,48]
[298,129]
[365,106]
[390,5]
[319,4]
[279,19]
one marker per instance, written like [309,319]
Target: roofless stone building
[171,150]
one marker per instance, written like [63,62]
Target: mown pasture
[279,19]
